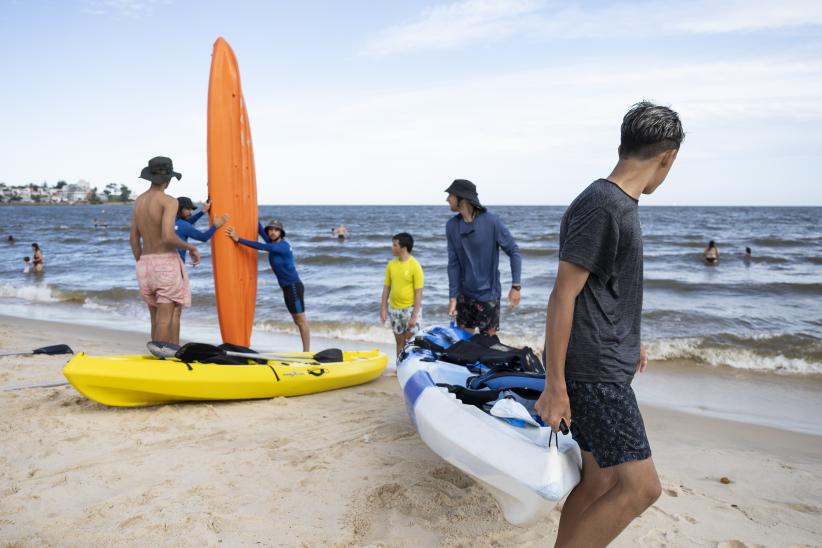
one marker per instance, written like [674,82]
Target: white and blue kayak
[481,420]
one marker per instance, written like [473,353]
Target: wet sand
[342,468]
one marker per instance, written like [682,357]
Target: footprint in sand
[388,492]
[390,432]
[673,517]
[277,443]
[452,476]
[659,537]
[732,544]
[132,521]
[72,439]
[802,507]
[372,393]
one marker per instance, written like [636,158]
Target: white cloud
[522,135]
[126,8]
[748,15]
[452,25]
[467,22]
[754,129]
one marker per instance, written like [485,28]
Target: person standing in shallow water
[340,232]
[37,258]
[593,330]
[281,259]
[711,253]
[747,257]
[474,238]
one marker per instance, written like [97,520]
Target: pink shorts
[162,278]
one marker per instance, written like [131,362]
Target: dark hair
[27,258]
[748,250]
[404,239]
[649,129]
[35,246]
[184,202]
[712,244]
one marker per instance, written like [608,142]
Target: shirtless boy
[161,274]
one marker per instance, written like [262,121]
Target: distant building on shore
[63,193]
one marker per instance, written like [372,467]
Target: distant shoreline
[63,204]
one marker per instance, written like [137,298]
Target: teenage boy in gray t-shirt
[593,336]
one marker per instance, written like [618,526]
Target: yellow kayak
[129,381]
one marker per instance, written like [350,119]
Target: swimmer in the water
[340,232]
[38,258]
[711,253]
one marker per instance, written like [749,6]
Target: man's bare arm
[134,240]
[553,405]
[569,283]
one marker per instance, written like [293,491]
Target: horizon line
[118,203]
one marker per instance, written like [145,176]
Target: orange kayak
[232,187]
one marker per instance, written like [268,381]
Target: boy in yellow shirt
[403,282]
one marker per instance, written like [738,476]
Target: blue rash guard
[280,257]
[473,256]
[185,230]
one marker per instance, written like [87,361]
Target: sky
[363,102]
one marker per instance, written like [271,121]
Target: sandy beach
[343,468]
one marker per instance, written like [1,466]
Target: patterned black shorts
[483,315]
[606,422]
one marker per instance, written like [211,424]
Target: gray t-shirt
[600,232]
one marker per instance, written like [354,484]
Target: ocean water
[762,314]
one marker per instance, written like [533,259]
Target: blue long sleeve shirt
[280,257]
[473,256]
[185,230]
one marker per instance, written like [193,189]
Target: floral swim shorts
[484,315]
[399,318]
[162,278]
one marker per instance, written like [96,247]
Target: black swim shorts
[606,422]
[293,295]
[484,315]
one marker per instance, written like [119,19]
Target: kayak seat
[471,397]
[507,380]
